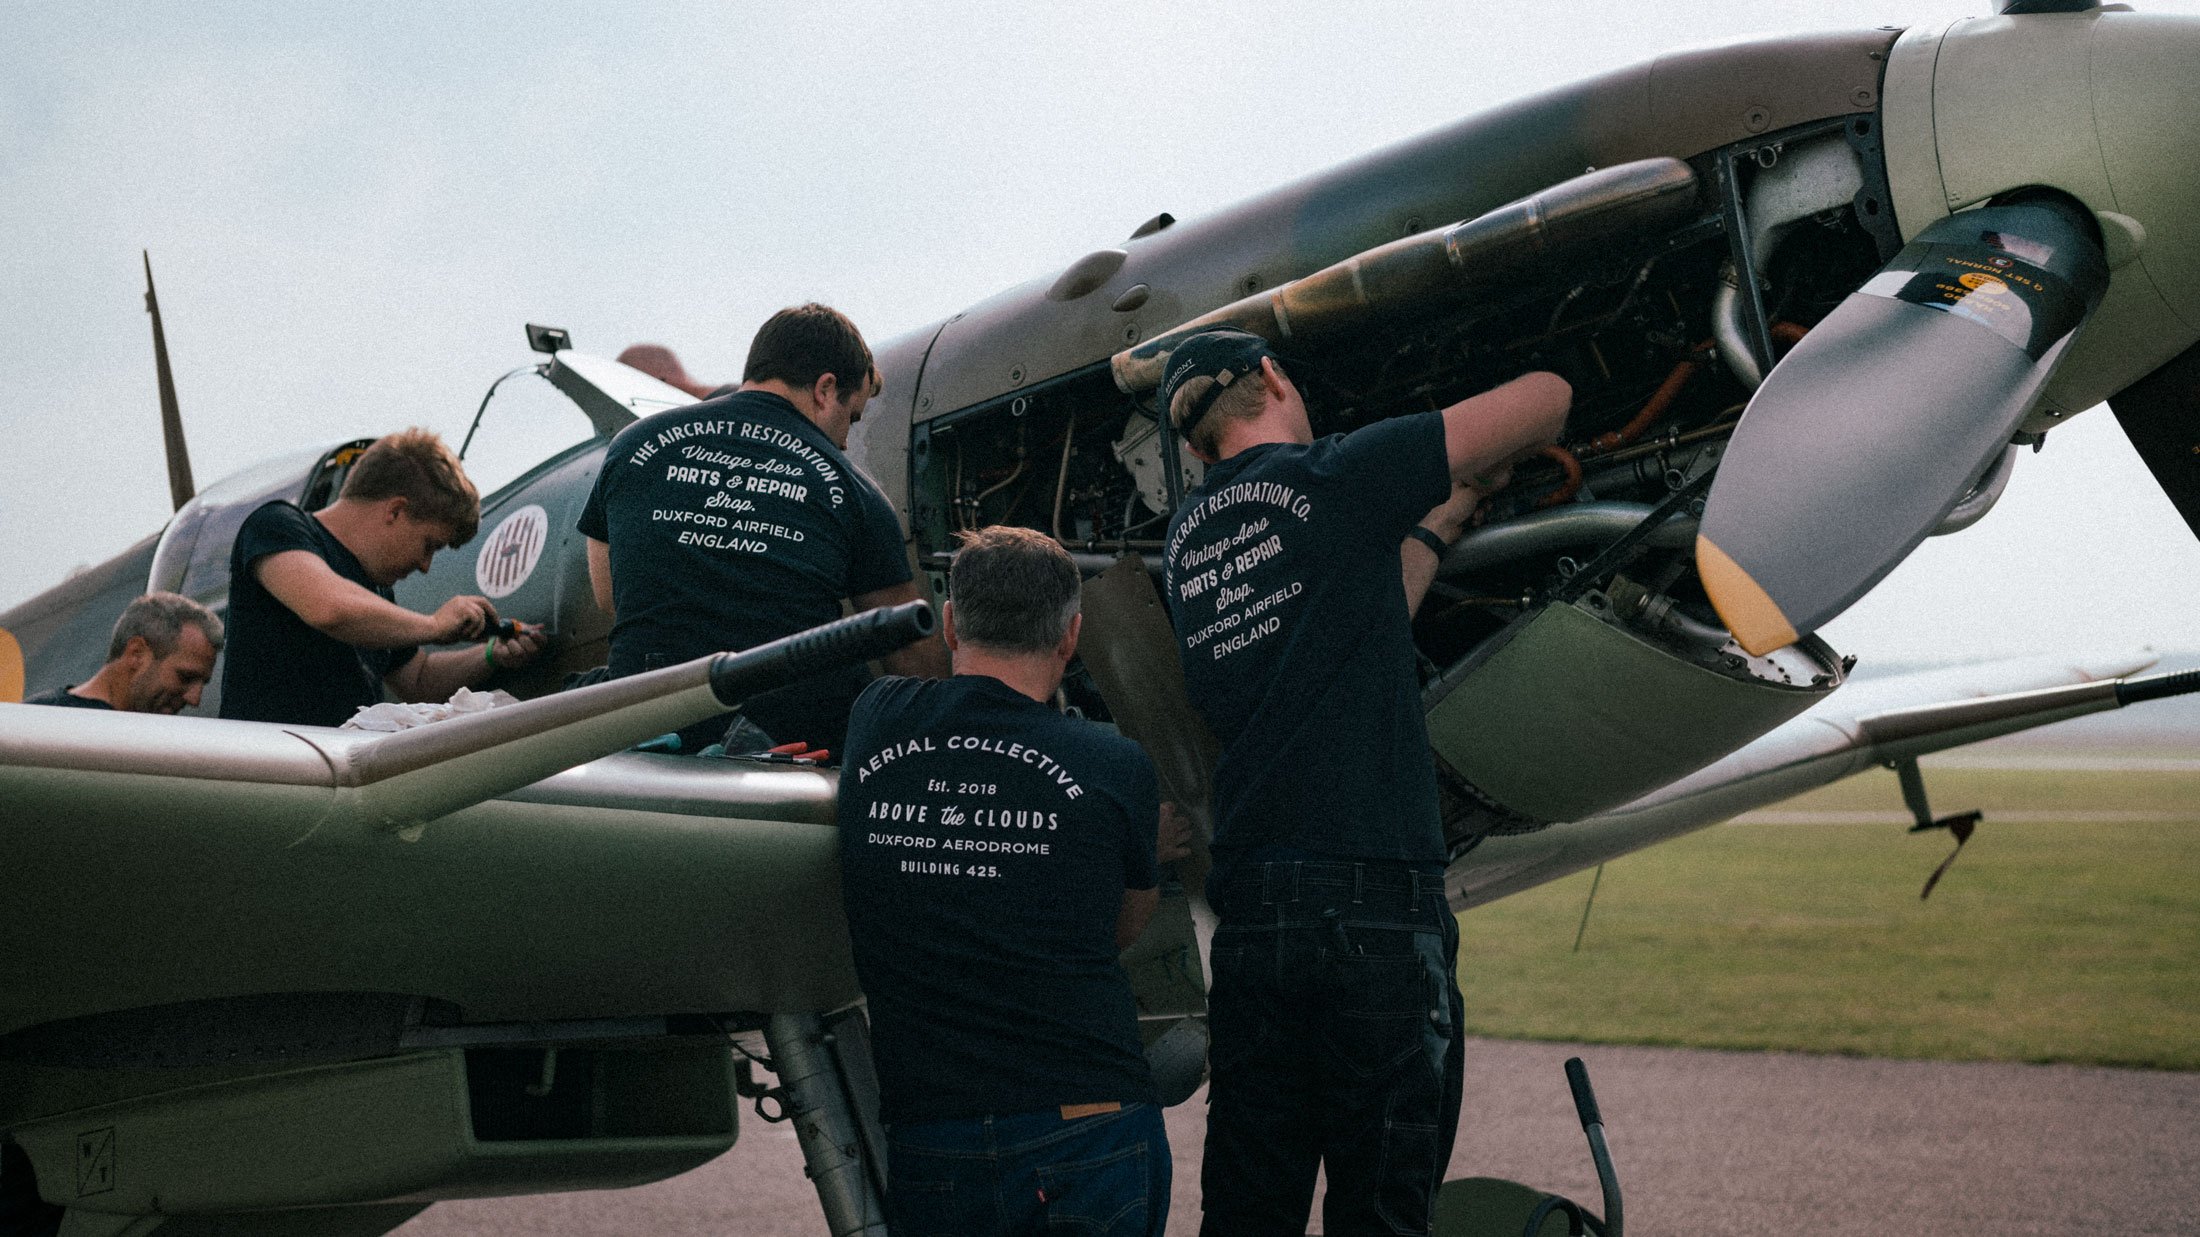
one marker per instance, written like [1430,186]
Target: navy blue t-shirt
[985,844]
[1284,584]
[277,668]
[732,523]
[60,696]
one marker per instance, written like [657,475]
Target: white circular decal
[509,556]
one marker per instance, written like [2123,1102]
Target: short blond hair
[1241,402]
[415,465]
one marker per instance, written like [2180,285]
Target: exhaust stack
[1436,270]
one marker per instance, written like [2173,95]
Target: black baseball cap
[1223,353]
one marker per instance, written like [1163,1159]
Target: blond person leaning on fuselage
[315,630]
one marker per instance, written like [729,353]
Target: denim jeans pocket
[1228,957]
[1380,1002]
[921,1195]
[1240,1005]
[1407,1177]
[1106,1195]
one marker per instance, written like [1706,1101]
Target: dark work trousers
[1105,1174]
[1335,1012]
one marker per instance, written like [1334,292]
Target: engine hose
[1659,403]
[1061,478]
[998,486]
[1568,465]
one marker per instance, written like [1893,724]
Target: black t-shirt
[60,696]
[1283,577]
[985,844]
[276,668]
[733,523]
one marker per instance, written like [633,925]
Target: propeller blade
[2160,414]
[171,417]
[1872,429]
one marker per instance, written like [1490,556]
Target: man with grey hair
[996,857]
[158,660]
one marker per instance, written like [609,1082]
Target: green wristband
[489,652]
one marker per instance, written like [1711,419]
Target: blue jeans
[1335,1012]
[1033,1172]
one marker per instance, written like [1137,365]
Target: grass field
[2049,940]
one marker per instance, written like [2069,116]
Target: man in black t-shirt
[158,660]
[996,857]
[316,633]
[1333,1002]
[739,520]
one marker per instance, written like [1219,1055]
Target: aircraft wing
[513,864]
[1863,726]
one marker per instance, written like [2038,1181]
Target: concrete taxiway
[1706,1143]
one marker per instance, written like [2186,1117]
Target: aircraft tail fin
[180,488]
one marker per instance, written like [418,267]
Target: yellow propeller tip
[1743,605]
[11,668]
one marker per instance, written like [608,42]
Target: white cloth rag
[392,717]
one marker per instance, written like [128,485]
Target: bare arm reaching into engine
[1483,438]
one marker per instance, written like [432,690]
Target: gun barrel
[420,774]
[1434,271]
[734,677]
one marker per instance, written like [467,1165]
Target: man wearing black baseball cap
[1334,1001]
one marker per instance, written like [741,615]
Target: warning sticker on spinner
[2024,304]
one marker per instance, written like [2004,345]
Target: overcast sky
[352,210]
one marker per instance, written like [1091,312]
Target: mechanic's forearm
[437,675]
[1133,916]
[599,576]
[1417,562]
[926,659]
[365,620]
[1490,432]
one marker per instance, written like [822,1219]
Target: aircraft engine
[1665,238]
[1574,661]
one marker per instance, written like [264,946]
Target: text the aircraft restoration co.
[1813,294]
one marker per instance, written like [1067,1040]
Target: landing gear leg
[828,1089]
